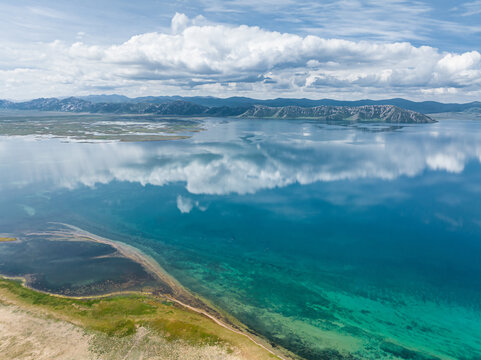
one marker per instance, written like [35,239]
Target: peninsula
[128,324]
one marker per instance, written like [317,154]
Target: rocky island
[381,113]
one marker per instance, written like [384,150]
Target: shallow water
[73,268]
[332,241]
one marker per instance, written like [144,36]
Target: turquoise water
[332,241]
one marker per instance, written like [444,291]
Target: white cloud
[375,19]
[80,35]
[46,12]
[449,162]
[385,20]
[440,91]
[179,23]
[185,205]
[217,59]
[471,8]
[454,63]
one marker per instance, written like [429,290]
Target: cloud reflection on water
[244,157]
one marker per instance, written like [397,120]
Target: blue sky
[261,48]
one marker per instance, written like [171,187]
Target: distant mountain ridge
[425,107]
[234,108]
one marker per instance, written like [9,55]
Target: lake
[333,241]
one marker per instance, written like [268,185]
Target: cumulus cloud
[179,23]
[215,58]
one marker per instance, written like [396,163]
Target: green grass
[121,315]
[115,316]
[119,328]
[173,329]
[38,298]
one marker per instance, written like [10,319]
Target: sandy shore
[24,335]
[176,292]
[147,262]
[29,334]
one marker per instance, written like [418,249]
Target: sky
[348,49]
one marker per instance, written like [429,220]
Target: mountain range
[389,110]
[425,107]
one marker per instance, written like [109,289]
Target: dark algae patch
[404,353]
[73,268]
[113,289]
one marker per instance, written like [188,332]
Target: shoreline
[178,294]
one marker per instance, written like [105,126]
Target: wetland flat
[98,127]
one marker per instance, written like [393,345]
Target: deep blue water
[328,240]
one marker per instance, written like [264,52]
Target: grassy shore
[136,325]
[167,318]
